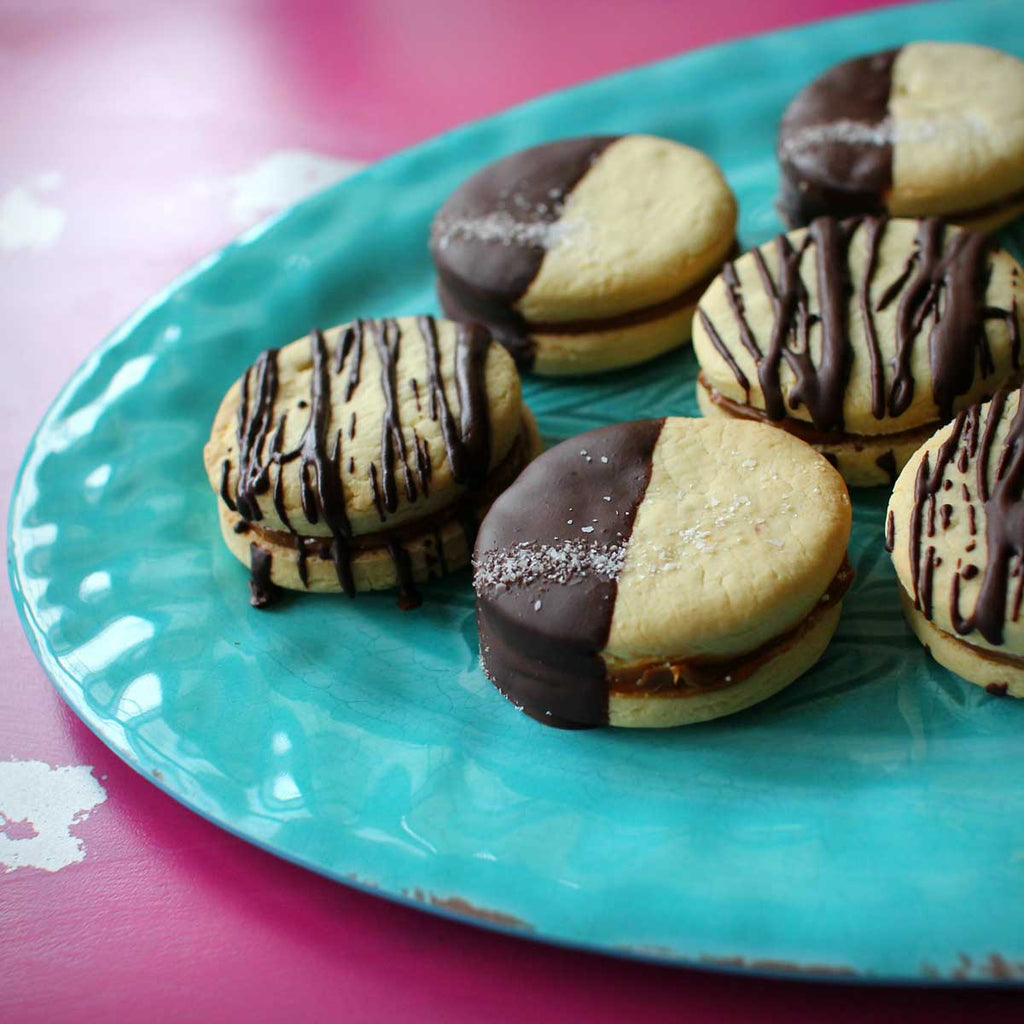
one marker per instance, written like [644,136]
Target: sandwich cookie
[362,457]
[929,129]
[860,337]
[585,254]
[660,573]
[955,527]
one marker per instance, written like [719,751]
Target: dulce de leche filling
[690,678]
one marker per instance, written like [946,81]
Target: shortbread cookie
[929,129]
[861,336]
[585,254]
[660,573]
[362,457]
[955,527]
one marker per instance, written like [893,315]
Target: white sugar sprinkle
[526,562]
[537,605]
[604,458]
[587,529]
[535,230]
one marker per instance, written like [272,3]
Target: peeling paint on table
[39,807]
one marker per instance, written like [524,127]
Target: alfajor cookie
[362,457]
[861,336]
[928,129]
[585,254]
[955,527]
[660,573]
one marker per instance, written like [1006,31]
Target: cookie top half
[658,539]
[365,426]
[926,129]
[864,326]
[955,526]
[583,229]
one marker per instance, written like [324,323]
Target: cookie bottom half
[864,460]
[665,694]
[1000,674]
[762,675]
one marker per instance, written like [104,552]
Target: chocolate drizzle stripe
[722,349]
[944,283]
[474,421]
[1000,491]
[351,342]
[886,462]
[874,226]
[225,491]
[467,444]
[255,414]
[387,336]
[262,590]
[320,488]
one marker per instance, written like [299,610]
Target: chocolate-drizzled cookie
[363,457]
[929,129]
[584,254]
[955,527]
[661,572]
[861,336]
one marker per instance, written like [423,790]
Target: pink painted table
[138,137]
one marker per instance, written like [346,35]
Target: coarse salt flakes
[526,562]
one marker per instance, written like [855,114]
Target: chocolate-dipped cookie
[661,572]
[955,527]
[362,457]
[860,336]
[585,254]
[928,129]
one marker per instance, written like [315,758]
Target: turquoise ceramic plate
[868,821]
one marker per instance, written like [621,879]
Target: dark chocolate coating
[262,590]
[833,176]
[481,278]
[545,657]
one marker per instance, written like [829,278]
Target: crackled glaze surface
[826,830]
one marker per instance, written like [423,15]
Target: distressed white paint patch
[27,221]
[281,179]
[39,805]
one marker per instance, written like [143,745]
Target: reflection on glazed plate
[865,823]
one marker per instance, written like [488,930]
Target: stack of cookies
[669,571]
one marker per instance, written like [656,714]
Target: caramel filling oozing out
[690,678]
